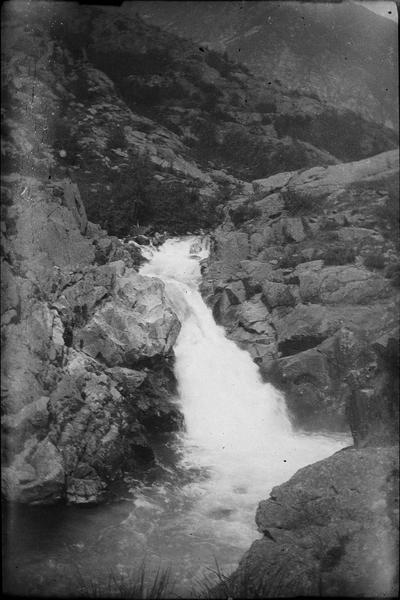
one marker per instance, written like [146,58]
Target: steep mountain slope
[342,52]
[144,120]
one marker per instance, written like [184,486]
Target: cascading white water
[236,425]
[238,444]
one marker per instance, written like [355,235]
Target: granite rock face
[321,299]
[331,530]
[136,324]
[314,254]
[77,408]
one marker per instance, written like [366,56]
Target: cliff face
[304,275]
[85,375]
[342,52]
[330,531]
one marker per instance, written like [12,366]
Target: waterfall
[237,444]
[237,426]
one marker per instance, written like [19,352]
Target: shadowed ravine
[238,443]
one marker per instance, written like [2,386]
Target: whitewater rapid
[198,506]
[237,426]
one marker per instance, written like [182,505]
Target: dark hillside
[144,119]
[340,51]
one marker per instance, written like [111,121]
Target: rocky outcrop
[164,138]
[135,325]
[331,530]
[87,369]
[302,274]
[299,273]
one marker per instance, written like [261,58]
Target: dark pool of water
[59,551]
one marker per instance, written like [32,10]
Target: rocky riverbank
[88,351]
[304,275]
[331,530]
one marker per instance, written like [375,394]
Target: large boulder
[314,393]
[36,475]
[137,324]
[321,181]
[331,530]
[81,291]
[348,379]
[231,247]
[294,229]
[90,425]
[277,294]
[254,316]
[261,346]
[373,381]
[256,273]
[342,284]
[307,325]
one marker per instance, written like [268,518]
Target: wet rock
[143,240]
[89,425]
[35,475]
[314,394]
[373,402]
[32,419]
[85,491]
[261,346]
[335,523]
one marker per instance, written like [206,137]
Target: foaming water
[237,426]
[238,444]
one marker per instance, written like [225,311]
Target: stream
[237,444]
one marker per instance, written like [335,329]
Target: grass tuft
[137,585]
[299,204]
